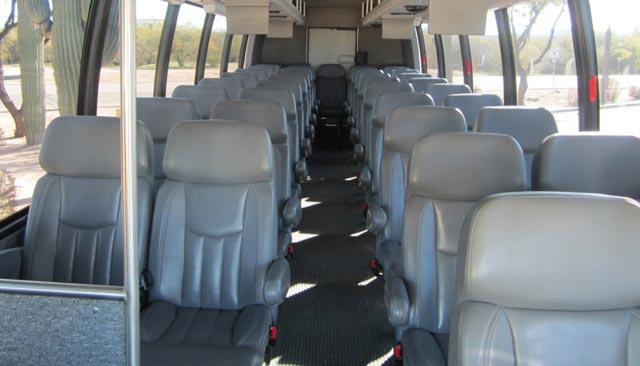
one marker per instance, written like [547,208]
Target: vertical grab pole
[129,176]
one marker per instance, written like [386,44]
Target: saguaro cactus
[66,20]
[32,24]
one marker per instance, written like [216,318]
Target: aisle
[334,313]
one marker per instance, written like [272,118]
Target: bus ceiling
[398,18]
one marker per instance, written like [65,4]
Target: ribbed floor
[334,314]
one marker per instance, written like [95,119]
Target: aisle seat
[471,104]
[232,86]
[204,97]
[440,91]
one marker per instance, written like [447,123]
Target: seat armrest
[292,210]
[420,348]
[396,300]
[277,282]
[305,147]
[302,171]
[284,239]
[365,178]
[10,263]
[376,219]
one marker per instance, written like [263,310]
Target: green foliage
[9,49]
[7,194]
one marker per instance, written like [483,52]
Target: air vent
[415,9]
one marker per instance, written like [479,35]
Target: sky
[622,15]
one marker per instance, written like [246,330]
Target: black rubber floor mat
[334,314]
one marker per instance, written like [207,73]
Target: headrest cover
[290,85]
[330,71]
[471,104]
[89,147]
[552,251]
[387,102]
[379,87]
[420,84]
[407,125]
[440,91]
[591,163]
[281,95]
[218,152]
[268,115]
[466,166]
[161,114]
[232,86]
[529,126]
[204,97]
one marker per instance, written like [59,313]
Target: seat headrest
[407,125]
[420,84]
[248,79]
[440,91]
[266,114]
[89,147]
[288,84]
[528,125]
[387,102]
[161,114]
[232,86]
[466,166]
[591,163]
[471,104]
[406,77]
[204,97]
[281,95]
[218,152]
[552,251]
[330,71]
[384,86]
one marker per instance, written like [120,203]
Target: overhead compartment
[458,16]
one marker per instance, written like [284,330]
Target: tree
[14,111]
[530,12]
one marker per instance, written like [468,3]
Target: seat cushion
[419,347]
[173,335]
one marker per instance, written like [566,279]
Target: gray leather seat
[471,104]
[404,128]
[558,283]
[260,74]
[294,87]
[369,178]
[213,252]
[420,84]
[590,163]
[448,174]
[74,228]
[287,100]
[270,116]
[406,77]
[301,78]
[204,97]
[389,70]
[249,80]
[529,126]
[397,72]
[440,91]
[331,89]
[373,91]
[159,116]
[232,86]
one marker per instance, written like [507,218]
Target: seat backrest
[288,102]
[331,85]
[589,163]
[529,126]
[406,77]
[248,79]
[159,115]
[270,116]
[74,228]
[214,224]
[550,279]
[294,87]
[448,174]
[440,91]
[204,97]
[260,73]
[405,126]
[232,86]
[471,104]
[420,84]
[383,105]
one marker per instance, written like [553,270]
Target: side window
[215,47]
[453,59]
[545,63]
[618,47]
[148,31]
[184,52]
[235,53]
[430,48]
[486,60]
